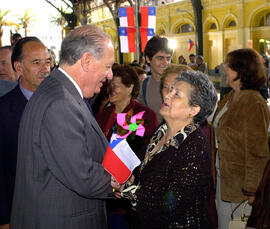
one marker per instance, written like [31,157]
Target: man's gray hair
[83,39]
[203,94]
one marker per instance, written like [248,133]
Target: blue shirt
[25,92]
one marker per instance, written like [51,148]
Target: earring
[189,115]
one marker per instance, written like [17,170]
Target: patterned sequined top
[175,185]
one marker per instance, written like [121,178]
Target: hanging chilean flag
[126,16]
[120,160]
[146,34]
[148,17]
[190,45]
[127,39]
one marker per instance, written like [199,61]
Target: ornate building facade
[227,25]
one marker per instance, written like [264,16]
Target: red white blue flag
[146,34]
[190,45]
[127,39]
[126,16]
[127,30]
[148,17]
[120,160]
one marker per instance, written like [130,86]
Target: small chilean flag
[120,160]
[146,34]
[148,17]
[190,45]
[126,16]
[127,39]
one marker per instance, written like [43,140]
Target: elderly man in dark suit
[60,180]
[31,61]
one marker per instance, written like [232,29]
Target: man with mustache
[60,180]
[31,61]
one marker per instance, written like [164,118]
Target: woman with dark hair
[172,185]
[182,60]
[123,90]
[240,138]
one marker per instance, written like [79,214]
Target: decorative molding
[255,11]
[227,17]
[182,21]
[260,28]
[208,20]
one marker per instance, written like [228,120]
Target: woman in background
[182,60]
[123,90]
[241,134]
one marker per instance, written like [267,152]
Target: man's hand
[115,185]
[130,181]
[6,226]
[117,188]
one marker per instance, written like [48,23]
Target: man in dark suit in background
[7,74]
[60,180]
[31,61]
[6,71]
[6,86]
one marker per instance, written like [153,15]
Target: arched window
[213,26]
[161,32]
[268,19]
[265,19]
[232,23]
[184,28]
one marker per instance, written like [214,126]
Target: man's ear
[18,67]
[86,60]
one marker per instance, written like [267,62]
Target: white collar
[72,80]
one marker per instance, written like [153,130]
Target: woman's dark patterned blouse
[175,185]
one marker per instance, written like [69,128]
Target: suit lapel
[18,104]
[73,90]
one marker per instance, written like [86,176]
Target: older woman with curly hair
[166,84]
[172,185]
[241,133]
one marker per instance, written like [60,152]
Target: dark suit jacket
[6,86]
[11,108]
[60,181]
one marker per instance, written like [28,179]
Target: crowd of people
[56,121]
